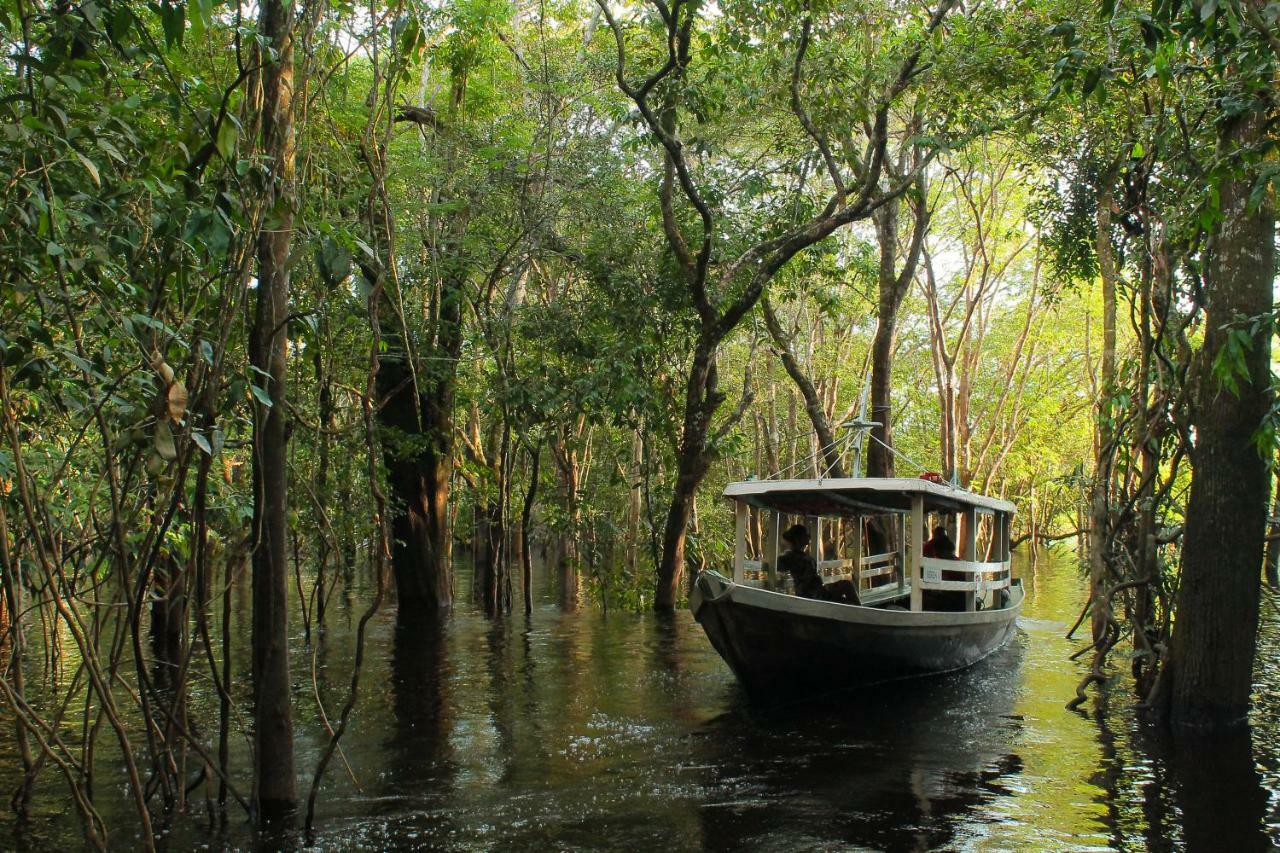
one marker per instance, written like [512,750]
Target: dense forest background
[292,292]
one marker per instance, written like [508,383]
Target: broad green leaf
[228,132]
[164,441]
[201,442]
[90,168]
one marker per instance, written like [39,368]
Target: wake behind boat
[913,613]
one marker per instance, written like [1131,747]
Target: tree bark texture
[701,400]
[418,456]
[893,286]
[1215,628]
[1099,499]
[275,791]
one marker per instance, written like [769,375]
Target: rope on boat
[812,457]
[906,458]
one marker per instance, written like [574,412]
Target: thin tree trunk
[1272,568]
[526,518]
[275,789]
[827,450]
[1100,518]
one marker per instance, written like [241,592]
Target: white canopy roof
[865,495]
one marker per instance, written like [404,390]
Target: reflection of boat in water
[915,614]
[908,766]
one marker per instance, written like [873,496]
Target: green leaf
[201,442]
[228,132]
[1091,80]
[202,16]
[173,19]
[262,396]
[164,442]
[53,249]
[90,168]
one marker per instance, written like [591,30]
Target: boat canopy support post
[915,548]
[741,513]
[1003,538]
[814,523]
[969,550]
[772,519]
[855,548]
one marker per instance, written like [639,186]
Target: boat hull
[777,644]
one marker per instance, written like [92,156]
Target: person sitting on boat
[940,546]
[804,571]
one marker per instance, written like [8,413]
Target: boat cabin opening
[875,533]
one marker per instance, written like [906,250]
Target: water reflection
[420,766]
[1220,793]
[624,732]
[903,767]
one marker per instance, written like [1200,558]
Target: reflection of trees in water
[897,767]
[1132,786]
[421,766]
[1220,793]
[1165,793]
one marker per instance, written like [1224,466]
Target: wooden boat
[915,615]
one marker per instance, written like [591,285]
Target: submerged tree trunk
[567,552]
[1271,570]
[275,789]
[1099,498]
[1215,631]
[490,532]
[701,400]
[418,456]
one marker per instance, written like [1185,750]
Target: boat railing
[878,566]
[835,568]
[963,575]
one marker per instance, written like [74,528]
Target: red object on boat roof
[932,477]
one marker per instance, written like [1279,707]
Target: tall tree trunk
[893,286]
[1272,568]
[565,453]
[490,533]
[420,483]
[879,458]
[275,789]
[702,397]
[1215,630]
[1099,505]
[526,519]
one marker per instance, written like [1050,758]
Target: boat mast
[860,426]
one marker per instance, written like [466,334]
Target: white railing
[963,575]
[835,568]
[878,565]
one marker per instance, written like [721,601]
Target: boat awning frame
[847,496]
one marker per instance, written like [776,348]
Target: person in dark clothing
[804,571]
[940,545]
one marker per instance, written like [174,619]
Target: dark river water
[588,731]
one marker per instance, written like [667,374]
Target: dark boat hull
[777,644]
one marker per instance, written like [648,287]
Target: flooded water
[587,731]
